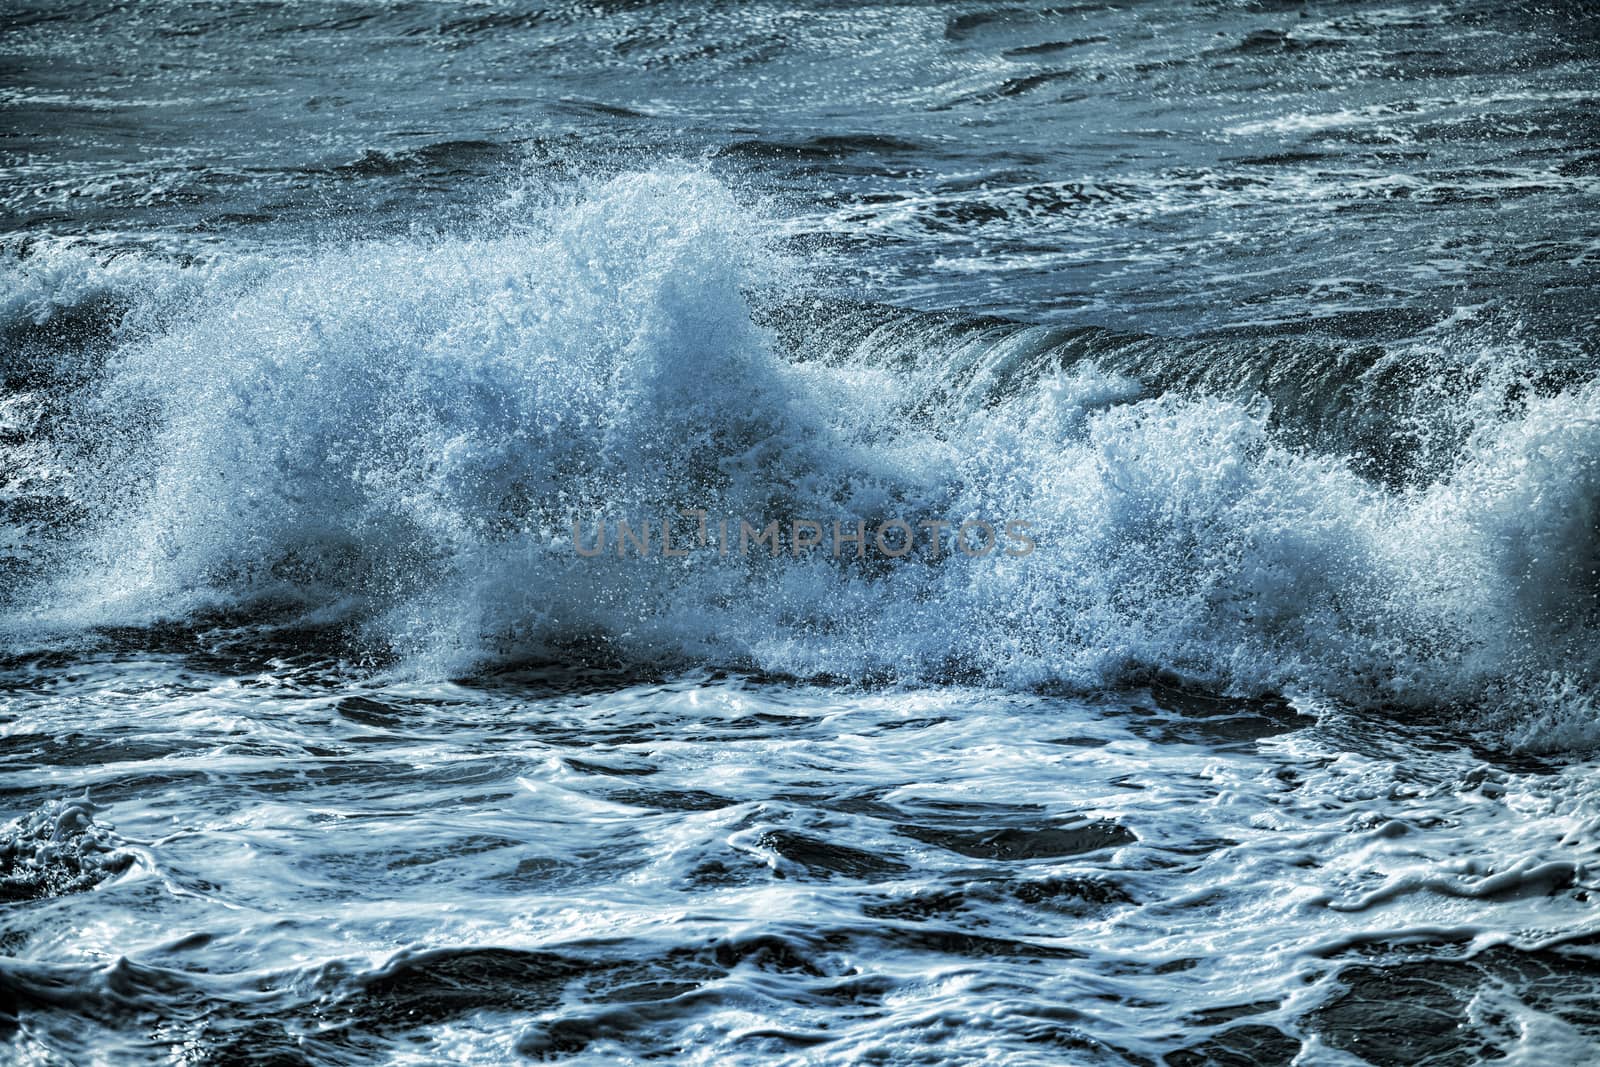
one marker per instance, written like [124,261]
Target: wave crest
[403,433]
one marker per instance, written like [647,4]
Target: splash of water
[401,433]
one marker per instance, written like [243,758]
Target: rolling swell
[1397,412]
[400,434]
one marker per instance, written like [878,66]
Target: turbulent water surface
[333,335]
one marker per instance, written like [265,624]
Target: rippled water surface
[1163,165]
[711,868]
[322,324]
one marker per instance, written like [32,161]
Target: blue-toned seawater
[326,329]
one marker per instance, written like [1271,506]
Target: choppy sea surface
[322,325]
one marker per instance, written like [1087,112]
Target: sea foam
[402,432]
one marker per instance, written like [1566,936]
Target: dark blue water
[1272,324]
[1154,166]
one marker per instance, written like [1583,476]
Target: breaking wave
[400,434]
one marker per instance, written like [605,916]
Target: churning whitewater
[403,435]
[908,534]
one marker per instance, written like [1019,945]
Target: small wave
[442,159]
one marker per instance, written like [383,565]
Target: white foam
[410,426]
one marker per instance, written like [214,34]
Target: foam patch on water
[405,431]
[56,849]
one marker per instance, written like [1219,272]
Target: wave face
[398,435]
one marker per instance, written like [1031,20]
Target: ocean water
[1261,337]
